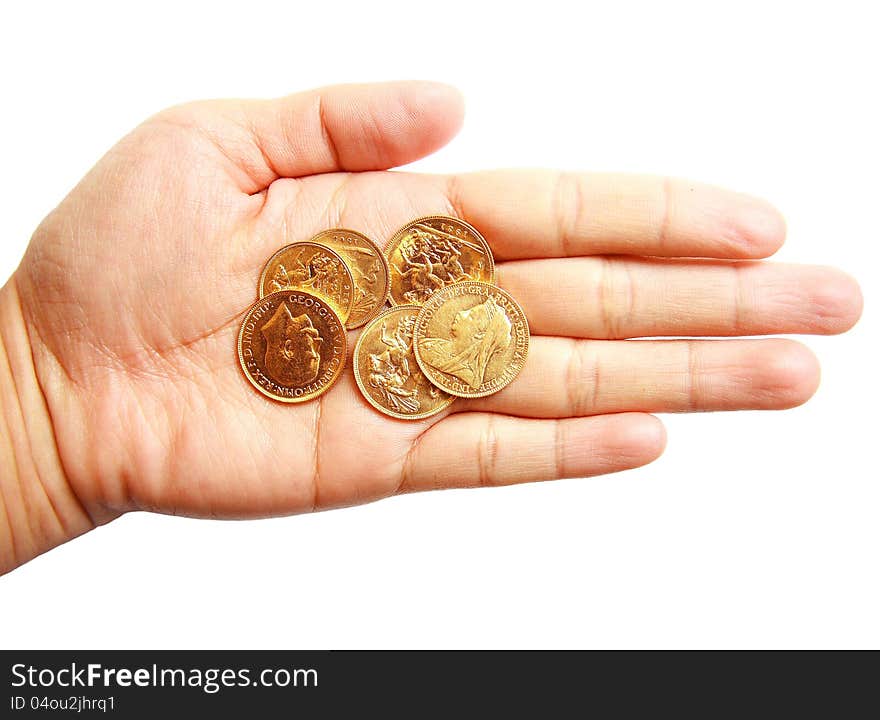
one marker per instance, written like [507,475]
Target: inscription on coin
[471,339]
[369,270]
[430,253]
[291,346]
[313,268]
[386,371]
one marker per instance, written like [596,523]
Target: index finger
[542,213]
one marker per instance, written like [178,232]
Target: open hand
[131,293]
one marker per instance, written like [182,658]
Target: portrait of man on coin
[292,347]
[476,335]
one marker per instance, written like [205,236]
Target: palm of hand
[135,286]
[153,353]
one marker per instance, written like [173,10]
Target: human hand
[122,390]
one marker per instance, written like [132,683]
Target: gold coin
[386,370]
[291,346]
[471,339]
[369,269]
[433,252]
[314,269]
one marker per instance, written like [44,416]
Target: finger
[484,449]
[599,376]
[624,297]
[342,127]
[539,213]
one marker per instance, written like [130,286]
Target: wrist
[38,508]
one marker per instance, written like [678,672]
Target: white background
[752,530]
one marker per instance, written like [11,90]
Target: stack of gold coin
[292,342]
[451,331]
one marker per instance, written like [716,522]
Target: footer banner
[412,684]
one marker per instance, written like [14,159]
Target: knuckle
[569,199]
[692,394]
[487,454]
[616,298]
[560,469]
[581,379]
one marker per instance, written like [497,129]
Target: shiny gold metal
[433,252]
[471,339]
[386,370]
[291,346]
[312,268]
[369,270]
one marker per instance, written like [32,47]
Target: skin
[118,376]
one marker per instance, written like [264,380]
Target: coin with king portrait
[471,339]
[430,253]
[386,370]
[312,268]
[291,346]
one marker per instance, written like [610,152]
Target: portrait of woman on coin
[477,334]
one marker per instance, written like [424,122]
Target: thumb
[338,128]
